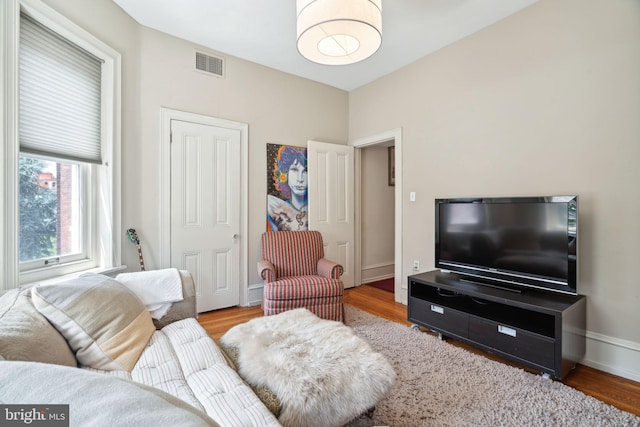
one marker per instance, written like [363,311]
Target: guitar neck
[140,258]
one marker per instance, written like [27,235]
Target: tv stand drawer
[516,342]
[440,317]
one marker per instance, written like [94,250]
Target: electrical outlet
[416,265]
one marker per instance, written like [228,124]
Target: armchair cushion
[303,287]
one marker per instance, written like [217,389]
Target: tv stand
[542,330]
[504,288]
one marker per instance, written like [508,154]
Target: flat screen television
[510,242]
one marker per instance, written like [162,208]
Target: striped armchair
[296,274]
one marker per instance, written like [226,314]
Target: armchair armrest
[266,271]
[329,269]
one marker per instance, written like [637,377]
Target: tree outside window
[48,209]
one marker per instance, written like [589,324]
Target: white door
[205,210]
[330,169]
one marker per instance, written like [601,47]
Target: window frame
[105,178]
[84,259]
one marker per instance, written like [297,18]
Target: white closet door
[205,210]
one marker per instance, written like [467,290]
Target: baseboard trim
[254,294]
[378,265]
[612,355]
[374,272]
[377,278]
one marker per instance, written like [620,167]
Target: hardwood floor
[617,391]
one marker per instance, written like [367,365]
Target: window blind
[60,103]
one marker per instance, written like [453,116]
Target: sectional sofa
[91,343]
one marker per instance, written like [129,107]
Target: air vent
[210,64]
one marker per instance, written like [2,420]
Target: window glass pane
[50,217]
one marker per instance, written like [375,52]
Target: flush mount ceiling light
[339,32]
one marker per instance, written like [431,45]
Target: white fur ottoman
[322,373]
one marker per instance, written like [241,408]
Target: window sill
[107,271]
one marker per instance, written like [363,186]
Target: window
[54,228]
[59,119]
[61,213]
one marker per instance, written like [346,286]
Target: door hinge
[170,137]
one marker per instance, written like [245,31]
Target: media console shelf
[542,330]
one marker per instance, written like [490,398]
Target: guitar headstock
[133,236]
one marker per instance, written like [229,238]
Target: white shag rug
[439,384]
[322,372]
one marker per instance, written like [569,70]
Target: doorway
[385,139]
[377,222]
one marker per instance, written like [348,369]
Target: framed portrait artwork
[287,188]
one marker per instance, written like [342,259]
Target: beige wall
[544,102]
[279,108]
[157,71]
[378,215]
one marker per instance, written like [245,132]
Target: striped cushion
[105,324]
[293,253]
[182,360]
[302,287]
[224,395]
[160,368]
[330,308]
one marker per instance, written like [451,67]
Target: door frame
[166,115]
[400,294]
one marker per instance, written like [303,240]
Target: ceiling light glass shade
[339,32]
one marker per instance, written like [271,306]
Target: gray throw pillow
[25,334]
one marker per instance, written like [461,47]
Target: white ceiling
[264,31]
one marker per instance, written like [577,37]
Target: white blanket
[157,289]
